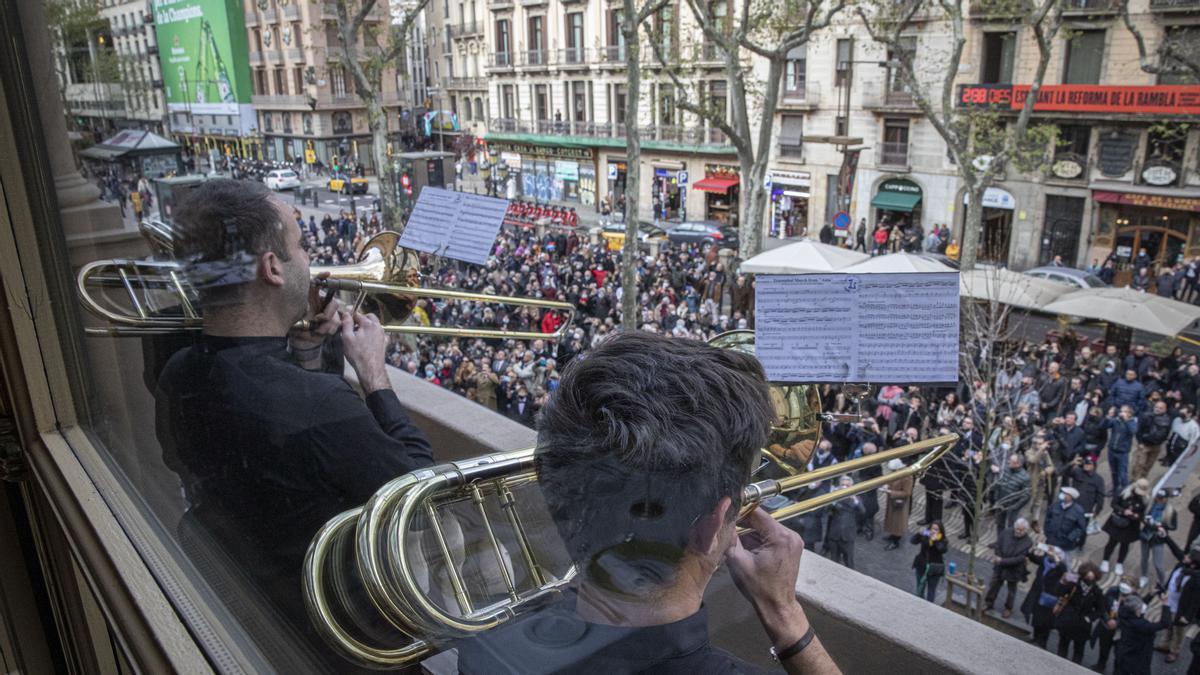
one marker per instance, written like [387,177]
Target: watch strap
[795,648]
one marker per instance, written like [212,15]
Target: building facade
[136,46]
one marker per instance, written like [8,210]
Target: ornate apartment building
[303,93]
[1123,174]
[132,25]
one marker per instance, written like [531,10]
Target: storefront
[668,194]
[998,206]
[616,169]
[720,185]
[1166,227]
[547,173]
[789,203]
[897,202]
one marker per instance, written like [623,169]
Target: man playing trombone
[643,453]
[267,438]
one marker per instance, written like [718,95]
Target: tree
[767,31]
[1178,51]
[73,25]
[382,49]
[982,142]
[632,17]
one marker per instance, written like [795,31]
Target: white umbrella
[1128,307]
[1006,287]
[802,257]
[897,263]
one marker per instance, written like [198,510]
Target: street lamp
[485,168]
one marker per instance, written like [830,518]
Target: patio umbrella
[802,257]
[897,263]
[1006,287]
[1128,307]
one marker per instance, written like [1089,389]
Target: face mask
[1108,370]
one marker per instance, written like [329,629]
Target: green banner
[203,52]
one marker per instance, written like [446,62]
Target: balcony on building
[291,11]
[500,61]
[256,58]
[885,99]
[572,57]
[612,55]
[534,58]
[500,4]
[989,10]
[1174,5]
[613,134]
[711,52]
[269,15]
[1090,7]
[281,102]
[251,18]
[465,29]
[466,83]
[806,96]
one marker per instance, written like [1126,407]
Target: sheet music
[858,327]
[457,225]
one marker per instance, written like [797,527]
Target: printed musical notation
[453,224]
[858,327]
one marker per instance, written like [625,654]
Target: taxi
[341,184]
[614,234]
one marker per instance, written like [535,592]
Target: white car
[282,179]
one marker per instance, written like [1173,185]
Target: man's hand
[365,344]
[306,344]
[765,563]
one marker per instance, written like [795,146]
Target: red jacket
[551,321]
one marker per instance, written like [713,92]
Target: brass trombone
[382,536]
[385,280]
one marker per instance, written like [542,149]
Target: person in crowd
[1080,604]
[1183,599]
[929,564]
[1050,564]
[1009,492]
[1011,547]
[1153,429]
[899,496]
[614,446]
[266,437]
[1122,428]
[1135,648]
[1160,520]
[1105,630]
[1185,433]
[1066,523]
[842,530]
[1124,524]
[1081,475]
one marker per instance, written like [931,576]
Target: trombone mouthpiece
[334,284]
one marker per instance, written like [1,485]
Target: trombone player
[642,456]
[267,438]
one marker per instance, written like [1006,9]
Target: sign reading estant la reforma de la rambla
[203,53]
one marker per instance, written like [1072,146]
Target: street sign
[768,181]
[682,177]
[612,171]
[841,220]
[310,157]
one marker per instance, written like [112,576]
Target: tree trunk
[754,207]
[633,153]
[384,171]
[968,248]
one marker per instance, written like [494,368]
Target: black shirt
[267,451]
[556,640]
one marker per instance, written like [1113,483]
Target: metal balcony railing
[711,52]
[291,11]
[895,154]
[1174,5]
[572,56]
[613,54]
[791,150]
[534,57]
[500,60]
[679,135]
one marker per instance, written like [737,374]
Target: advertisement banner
[204,56]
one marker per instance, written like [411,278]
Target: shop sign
[1159,175]
[900,185]
[994,198]
[1149,201]
[1116,152]
[511,159]
[566,170]
[612,171]
[801,178]
[541,151]
[1066,168]
[682,177]
[1159,99]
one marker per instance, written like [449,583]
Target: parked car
[346,185]
[282,179]
[704,232]
[942,258]
[1067,275]
[614,234]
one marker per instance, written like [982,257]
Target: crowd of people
[1067,435]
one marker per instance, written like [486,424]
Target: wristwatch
[795,648]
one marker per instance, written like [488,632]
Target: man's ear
[270,269]
[706,533]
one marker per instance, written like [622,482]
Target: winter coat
[1121,433]
[932,552]
[1129,531]
[896,519]
[1046,577]
[843,520]
[1135,648]
[1091,489]
[1132,394]
[1153,429]
[1082,609]
[1011,490]
[1011,552]
[1065,527]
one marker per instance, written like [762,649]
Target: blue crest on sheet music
[871,328]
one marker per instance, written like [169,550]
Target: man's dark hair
[643,436]
[222,218]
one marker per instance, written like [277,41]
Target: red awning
[716,184]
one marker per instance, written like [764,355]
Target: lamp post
[502,178]
[485,168]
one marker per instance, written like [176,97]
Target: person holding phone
[929,564]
